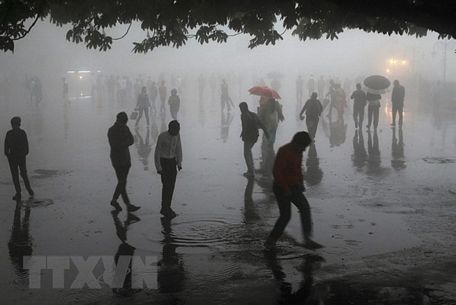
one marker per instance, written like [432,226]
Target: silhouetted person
[16,150]
[120,138]
[288,187]
[143,105]
[163,93]
[153,93]
[249,134]
[174,104]
[270,114]
[373,109]
[397,101]
[168,159]
[359,103]
[36,91]
[225,98]
[313,109]
[332,97]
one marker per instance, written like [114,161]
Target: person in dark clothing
[250,125]
[313,109]
[162,92]
[168,159]
[153,93]
[359,102]
[143,105]
[288,188]
[397,100]
[225,98]
[174,104]
[373,109]
[16,150]
[120,138]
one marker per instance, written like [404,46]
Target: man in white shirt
[168,159]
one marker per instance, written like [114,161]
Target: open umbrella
[376,84]
[264,91]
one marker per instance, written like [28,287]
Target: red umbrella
[264,91]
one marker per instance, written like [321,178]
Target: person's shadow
[307,293]
[171,272]
[359,156]
[20,243]
[397,151]
[144,148]
[313,174]
[124,249]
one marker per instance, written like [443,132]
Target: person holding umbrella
[373,109]
[375,85]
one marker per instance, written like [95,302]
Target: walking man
[163,93]
[16,150]
[397,99]
[143,105]
[120,138]
[168,159]
[373,109]
[174,104]
[288,188]
[359,103]
[313,109]
[250,125]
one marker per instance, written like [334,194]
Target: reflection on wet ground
[382,204]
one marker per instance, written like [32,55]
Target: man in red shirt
[288,188]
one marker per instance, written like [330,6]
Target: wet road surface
[383,205]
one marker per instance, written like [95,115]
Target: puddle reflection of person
[359,156]
[314,174]
[373,150]
[171,273]
[20,243]
[124,250]
[144,147]
[308,292]
[397,150]
[250,213]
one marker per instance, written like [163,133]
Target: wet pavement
[383,205]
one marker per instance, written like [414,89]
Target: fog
[382,199]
